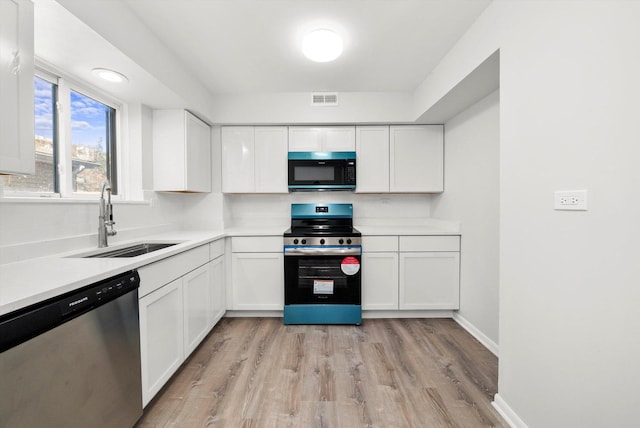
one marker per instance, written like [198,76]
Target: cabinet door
[258,281]
[196,289]
[339,139]
[198,155]
[417,159]
[218,289]
[305,139]
[380,281]
[181,152]
[17,147]
[238,156]
[271,159]
[372,151]
[430,280]
[161,333]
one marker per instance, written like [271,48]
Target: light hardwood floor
[257,372]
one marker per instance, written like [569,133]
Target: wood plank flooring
[257,372]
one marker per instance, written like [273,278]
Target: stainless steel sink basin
[132,250]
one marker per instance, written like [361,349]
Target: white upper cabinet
[181,152]
[238,159]
[271,159]
[322,139]
[254,159]
[416,159]
[17,148]
[372,161]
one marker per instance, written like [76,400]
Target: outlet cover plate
[570,200]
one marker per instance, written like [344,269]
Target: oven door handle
[322,251]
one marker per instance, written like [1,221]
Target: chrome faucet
[105,219]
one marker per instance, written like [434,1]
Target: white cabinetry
[161,337]
[429,272]
[257,266]
[372,151]
[254,159]
[181,152]
[380,273]
[17,147]
[416,159]
[196,287]
[218,286]
[410,272]
[322,139]
[182,297]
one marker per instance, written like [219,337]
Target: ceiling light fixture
[110,75]
[322,45]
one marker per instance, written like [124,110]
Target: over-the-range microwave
[322,171]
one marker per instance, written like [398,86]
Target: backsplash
[271,209]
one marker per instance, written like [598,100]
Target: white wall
[296,108]
[472,197]
[568,280]
[33,228]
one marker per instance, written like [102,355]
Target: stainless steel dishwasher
[74,360]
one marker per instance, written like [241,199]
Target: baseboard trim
[507,412]
[475,332]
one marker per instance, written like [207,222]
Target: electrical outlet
[571,200]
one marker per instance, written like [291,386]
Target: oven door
[322,275]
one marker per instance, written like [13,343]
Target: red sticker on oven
[350,265]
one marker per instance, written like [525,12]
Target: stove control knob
[295,242]
[341,241]
[348,241]
[304,241]
[322,242]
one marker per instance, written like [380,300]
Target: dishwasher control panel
[99,293]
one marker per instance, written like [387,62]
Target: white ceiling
[253,46]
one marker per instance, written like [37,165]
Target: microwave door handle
[322,251]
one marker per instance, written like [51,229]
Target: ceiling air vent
[324,99]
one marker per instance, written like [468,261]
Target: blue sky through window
[88,122]
[44,105]
[88,116]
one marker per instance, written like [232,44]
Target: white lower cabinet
[379,281]
[258,281]
[411,272]
[176,316]
[196,287]
[430,272]
[430,280]
[218,290]
[161,337]
[257,273]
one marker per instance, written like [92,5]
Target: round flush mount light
[322,45]
[110,75]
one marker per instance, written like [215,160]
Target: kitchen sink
[131,250]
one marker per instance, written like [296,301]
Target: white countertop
[406,230]
[31,281]
[34,280]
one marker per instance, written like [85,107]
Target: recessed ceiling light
[322,45]
[110,75]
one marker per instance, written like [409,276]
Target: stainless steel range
[322,271]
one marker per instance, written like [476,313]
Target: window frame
[63,185]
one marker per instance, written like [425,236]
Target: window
[75,142]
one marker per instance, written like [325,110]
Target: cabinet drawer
[155,275]
[371,244]
[430,243]
[256,244]
[216,249]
